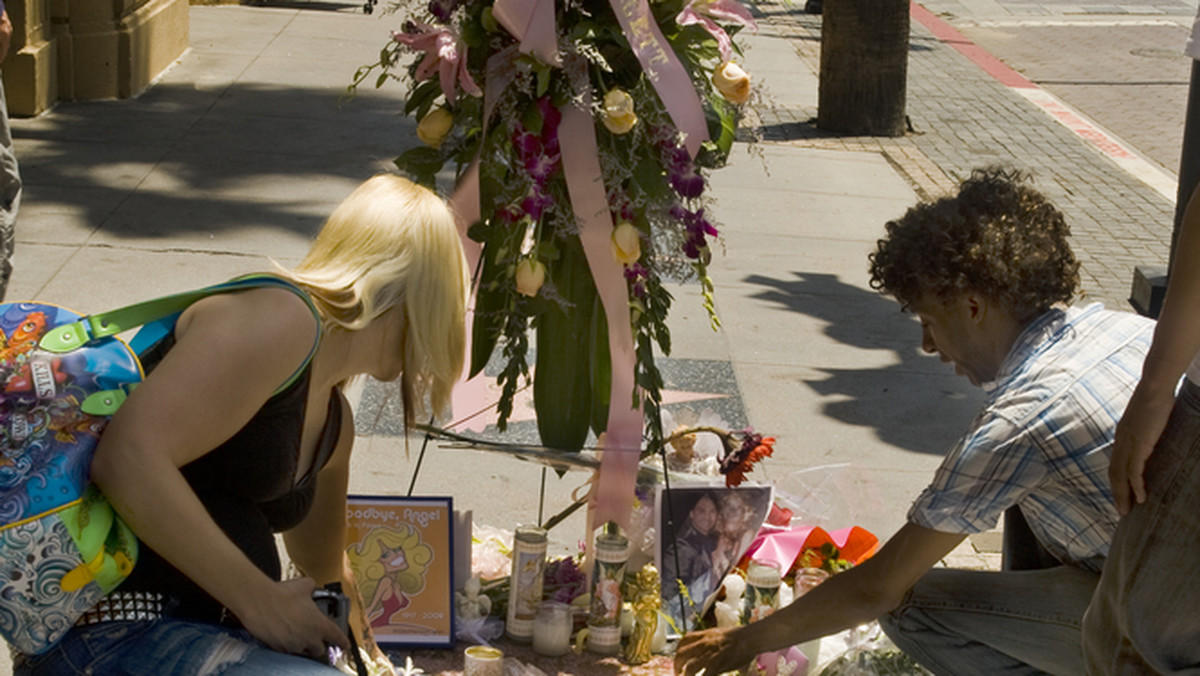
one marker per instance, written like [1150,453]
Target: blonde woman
[208,458]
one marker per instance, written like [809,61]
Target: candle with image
[762,591]
[604,620]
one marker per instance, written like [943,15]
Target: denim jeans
[961,622]
[1145,617]
[164,647]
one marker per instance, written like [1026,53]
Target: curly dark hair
[997,237]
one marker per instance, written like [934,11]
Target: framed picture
[713,528]
[402,555]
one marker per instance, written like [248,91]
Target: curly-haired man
[987,272]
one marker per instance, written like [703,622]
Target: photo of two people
[713,528]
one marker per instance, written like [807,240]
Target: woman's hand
[1142,424]
[287,620]
[713,652]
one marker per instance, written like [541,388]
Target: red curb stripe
[949,35]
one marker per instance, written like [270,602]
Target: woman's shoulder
[268,319]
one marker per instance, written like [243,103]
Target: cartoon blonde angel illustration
[391,566]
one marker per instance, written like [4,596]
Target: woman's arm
[231,352]
[317,545]
[1176,342]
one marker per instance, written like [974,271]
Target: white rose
[531,274]
[433,128]
[627,243]
[619,116]
[732,82]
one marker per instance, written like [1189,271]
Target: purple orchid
[539,153]
[535,203]
[444,52]
[704,11]
[636,275]
[698,229]
[688,184]
[443,10]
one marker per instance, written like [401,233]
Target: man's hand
[1141,426]
[5,34]
[713,651]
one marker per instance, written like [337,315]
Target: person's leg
[165,648]
[960,622]
[1145,616]
[10,196]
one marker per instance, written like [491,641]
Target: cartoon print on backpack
[41,421]
[61,547]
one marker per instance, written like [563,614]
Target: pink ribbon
[614,494]
[532,23]
[666,72]
[469,397]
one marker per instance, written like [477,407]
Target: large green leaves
[563,389]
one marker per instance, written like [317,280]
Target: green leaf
[648,177]
[562,388]
[422,163]
[422,98]
[491,303]
[722,129]
[531,119]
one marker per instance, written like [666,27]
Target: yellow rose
[618,112]
[531,274]
[732,82]
[432,128]
[627,243]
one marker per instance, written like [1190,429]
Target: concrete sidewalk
[239,151]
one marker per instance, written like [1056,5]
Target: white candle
[552,629]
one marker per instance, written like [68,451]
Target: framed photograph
[401,551]
[713,528]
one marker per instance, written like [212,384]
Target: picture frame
[714,526]
[401,550]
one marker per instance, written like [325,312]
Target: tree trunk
[864,67]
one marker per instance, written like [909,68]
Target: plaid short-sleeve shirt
[1044,435]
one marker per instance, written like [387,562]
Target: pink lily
[445,52]
[704,11]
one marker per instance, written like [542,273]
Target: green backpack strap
[159,314]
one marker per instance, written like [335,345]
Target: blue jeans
[1145,617]
[960,622]
[165,647]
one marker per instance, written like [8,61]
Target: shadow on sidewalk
[207,157]
[916,403]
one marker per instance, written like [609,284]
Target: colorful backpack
[62,376]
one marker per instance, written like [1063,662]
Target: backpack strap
[158,317]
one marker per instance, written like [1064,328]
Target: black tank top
[247,486]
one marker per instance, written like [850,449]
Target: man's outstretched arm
[846,600]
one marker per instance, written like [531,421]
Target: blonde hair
[393,243]
[369,551]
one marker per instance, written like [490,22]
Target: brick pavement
[1137,90]
[963,118]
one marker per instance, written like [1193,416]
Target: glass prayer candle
[552,629]
[604,620]
[525,585]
